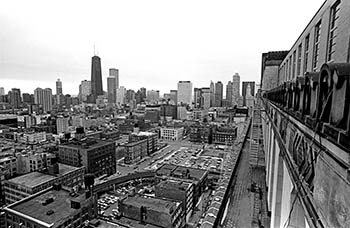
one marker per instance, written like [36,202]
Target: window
[306,52]
[333,30]
[294,61]
[290,68]
[299,60]
[316,45]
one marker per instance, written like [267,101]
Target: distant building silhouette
[43,97]
[235,92]
[229,93]
[15,98]
[244,90]
[218,94]
[184,92]
[84,90]
[96,77]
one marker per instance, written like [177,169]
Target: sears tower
[96,77]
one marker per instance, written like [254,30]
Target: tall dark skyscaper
[96,77]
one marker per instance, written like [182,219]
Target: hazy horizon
[154,44]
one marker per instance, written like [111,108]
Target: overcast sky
[154,44]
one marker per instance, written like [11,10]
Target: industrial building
[97,156]
[159,212]
[56,207]
[23,186]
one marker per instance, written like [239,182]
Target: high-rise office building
[62,124]
[113,72]
[28,98]
[59,87]
[43,97]
[143,94]
[235,85]
[229,93]
[244,90]
[184,92]
[173,96]
[212,94]
[205,97]
[59,93]
[111,89]
[219,88]
[130,96]
[15,98]
[96,77]
[197,97]
[2,91]
[84,90]
[121,91]
[152,95]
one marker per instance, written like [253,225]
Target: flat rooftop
[61,205]
[174,184]
[155,204]
[130,144]
[87,143]
[144,133]
[64,169]
[33,179]
[166,169]
[174,170]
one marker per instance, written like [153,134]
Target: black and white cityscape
[155,125]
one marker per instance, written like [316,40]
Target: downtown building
[96,78]
[245,93]
[20,187]
[84,90]
[306,124]
[97,156]
[43,98]
[202,98]
[112,85]
[171,133]
[235,89]
[55,207]
[184,92]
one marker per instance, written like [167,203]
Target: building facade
[159,212]
[306,124]
[229,93]
[111,89]
[135,151]
[184,92]
[177,190]
[97,156]
[236,91]
[245,86]
[219,94]
[96,77]
[84,90]
[43,98]
[173,134]
[23,186]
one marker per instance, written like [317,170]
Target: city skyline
[149,53]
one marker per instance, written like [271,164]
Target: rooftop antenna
[94,50]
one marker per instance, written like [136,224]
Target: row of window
[292,65]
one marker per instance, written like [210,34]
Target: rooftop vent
[50,212]
[75,204]
[47,201]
